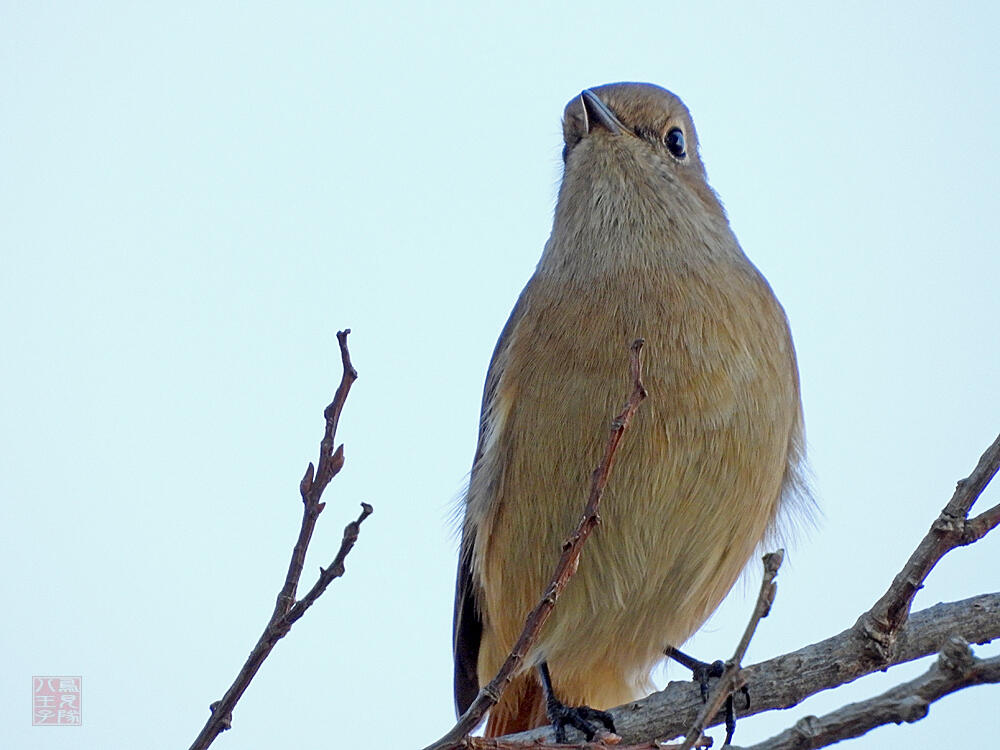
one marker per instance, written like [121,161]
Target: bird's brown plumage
[640,247]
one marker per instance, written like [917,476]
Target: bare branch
[572,547]
[286,609]
[315,481]
[785,681]
[326,575]
[956,668]
[951,529]
[978,527]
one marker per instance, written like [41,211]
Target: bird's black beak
[597,112]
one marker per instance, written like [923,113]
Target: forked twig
[953,528]
[286,609]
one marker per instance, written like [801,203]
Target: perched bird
[640,247]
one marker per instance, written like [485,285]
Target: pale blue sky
[195,197]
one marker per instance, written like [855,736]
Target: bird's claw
[703,672]
[583,718]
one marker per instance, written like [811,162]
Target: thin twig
[315,481]
[956,668]
[286,609]
[326,575]
[951,529]
[490,694]
[731,680]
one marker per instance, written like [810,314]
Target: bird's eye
[674,141]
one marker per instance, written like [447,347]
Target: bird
[641,247]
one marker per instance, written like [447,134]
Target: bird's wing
[467,623]
[467,631]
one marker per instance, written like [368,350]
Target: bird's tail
[522,707]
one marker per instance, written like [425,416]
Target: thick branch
[572,547]
[787,680]
[956,668]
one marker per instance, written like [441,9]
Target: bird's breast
[696,480]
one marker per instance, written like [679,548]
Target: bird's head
[632,169]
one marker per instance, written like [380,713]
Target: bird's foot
[702,672]
[561,716]
[583,718]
